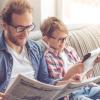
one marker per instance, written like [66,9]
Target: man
[60,57]
[17,53]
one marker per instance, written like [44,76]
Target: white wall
[59,8]
[43,9]
[36,12]
[48,8]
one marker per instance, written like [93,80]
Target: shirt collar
[53,51]
[2,41]
[3,45]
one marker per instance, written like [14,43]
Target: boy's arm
[43,74]
[75,69]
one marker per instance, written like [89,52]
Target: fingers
[62,82]
[76,68]
[2,96]
[76,77]
[81,67]
[89,74]
[97,60]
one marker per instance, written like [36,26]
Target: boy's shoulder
[69,49]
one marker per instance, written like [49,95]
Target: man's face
[57,40]
[19,29]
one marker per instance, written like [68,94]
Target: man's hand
[2,96]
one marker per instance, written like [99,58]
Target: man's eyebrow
[21,25]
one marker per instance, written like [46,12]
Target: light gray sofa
[83,38]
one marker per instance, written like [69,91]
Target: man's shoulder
[34,45]
[2,41]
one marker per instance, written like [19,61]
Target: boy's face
[57,40]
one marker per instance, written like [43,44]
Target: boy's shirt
[58,63]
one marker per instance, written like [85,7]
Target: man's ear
[4,26]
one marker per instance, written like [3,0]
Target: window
[80,11]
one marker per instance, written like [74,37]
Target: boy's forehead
[60,33]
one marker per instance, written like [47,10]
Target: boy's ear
[45,38]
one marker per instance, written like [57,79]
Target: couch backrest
[35,35]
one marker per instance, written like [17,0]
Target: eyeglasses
[20,28]
[59,39]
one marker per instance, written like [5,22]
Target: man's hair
[15,6]
[52,24]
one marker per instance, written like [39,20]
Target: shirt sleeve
[43,74]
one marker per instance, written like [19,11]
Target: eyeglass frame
[60,39]
[24,27]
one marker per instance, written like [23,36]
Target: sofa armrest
[35,35]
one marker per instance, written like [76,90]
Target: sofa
[84,38]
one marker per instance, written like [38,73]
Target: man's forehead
[22,19]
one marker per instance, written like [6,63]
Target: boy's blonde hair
[51,25]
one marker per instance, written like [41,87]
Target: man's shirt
[21,64]
[36,57]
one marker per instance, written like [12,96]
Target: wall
[48,8]
[36,13]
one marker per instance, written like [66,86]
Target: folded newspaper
[24,88]
[89,59]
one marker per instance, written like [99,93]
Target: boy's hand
[75,69]
[76,78]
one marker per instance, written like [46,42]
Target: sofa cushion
[35,35]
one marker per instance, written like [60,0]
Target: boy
[61,60]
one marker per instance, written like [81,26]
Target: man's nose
[25,32]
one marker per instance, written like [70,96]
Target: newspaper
[26,89]
[89,59]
